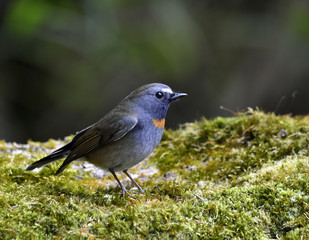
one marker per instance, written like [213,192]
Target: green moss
[244,177]
[226,148]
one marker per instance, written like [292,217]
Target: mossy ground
[244,177]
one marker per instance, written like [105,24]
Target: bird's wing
[98,136]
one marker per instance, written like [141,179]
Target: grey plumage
[123,137]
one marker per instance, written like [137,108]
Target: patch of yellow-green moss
[244,177]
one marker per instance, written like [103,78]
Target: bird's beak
[175,96]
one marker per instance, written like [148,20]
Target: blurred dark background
[64,64]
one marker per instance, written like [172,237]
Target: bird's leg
[135,183]
[124,190]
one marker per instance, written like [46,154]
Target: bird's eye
[159,95]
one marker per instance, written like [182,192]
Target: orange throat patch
[159,123]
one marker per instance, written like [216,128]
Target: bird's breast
[134,147]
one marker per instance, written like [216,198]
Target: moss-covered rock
[244,177]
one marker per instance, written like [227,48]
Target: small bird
[123,137]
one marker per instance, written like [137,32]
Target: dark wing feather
[57,154]
[97,137]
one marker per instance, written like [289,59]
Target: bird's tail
[58,154]
[54,156]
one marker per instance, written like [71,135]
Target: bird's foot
[125,191]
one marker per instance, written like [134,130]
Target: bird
[123,137]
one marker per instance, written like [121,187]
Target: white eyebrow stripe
[167,90]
